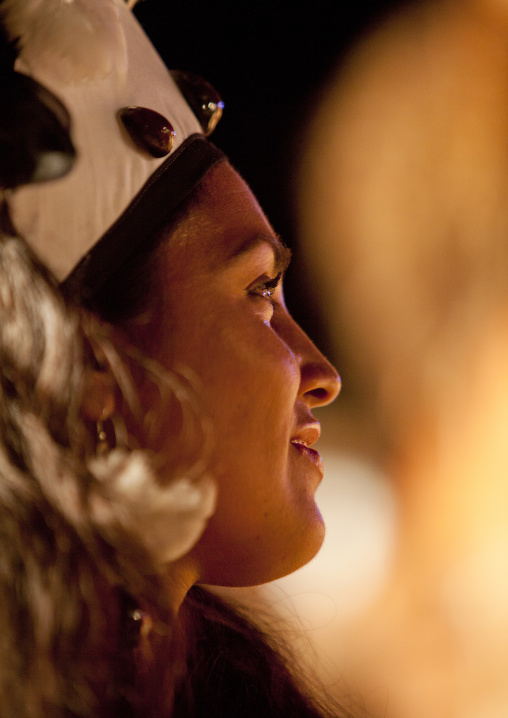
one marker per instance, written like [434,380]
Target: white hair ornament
[168,520]
[124,499]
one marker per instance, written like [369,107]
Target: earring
[102,447]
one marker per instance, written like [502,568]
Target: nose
[319,381]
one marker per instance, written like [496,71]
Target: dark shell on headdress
[150,130]
[204,100]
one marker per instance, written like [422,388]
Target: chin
[244,569]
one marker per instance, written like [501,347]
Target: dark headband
[150,210]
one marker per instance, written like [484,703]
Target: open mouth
[311,454]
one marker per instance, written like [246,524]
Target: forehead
[223,221]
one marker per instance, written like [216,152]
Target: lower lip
[312,455]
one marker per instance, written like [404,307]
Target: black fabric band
[150,210]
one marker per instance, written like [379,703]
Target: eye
[265,288]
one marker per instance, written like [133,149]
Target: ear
[99,396]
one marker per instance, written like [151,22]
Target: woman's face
[220,313]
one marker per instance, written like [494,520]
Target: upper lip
[307,434]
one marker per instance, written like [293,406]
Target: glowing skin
[221,313]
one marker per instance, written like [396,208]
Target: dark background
[268,59]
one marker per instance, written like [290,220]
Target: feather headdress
[69,39]
[95,57]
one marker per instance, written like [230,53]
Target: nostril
[319,394]
[320,383]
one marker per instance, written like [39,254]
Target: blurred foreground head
[404,215]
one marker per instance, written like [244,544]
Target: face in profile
[221,314]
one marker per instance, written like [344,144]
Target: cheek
[236,356]
[255,371]
[244,374]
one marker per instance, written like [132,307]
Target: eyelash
[266,290]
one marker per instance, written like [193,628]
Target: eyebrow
[282,253]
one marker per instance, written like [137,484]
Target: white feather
[169,520]
[68,39]
[127,499]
